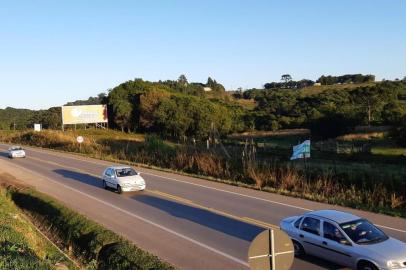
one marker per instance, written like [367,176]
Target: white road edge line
[260,256]
[143,219]
[270,255]
[222,190]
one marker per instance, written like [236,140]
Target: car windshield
[362,232]
[16,148]
[125,172]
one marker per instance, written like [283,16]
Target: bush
[123,256]
[331,126]
[399,132]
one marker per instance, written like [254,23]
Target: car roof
[119,167]
[334,215]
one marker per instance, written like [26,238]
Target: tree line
[329,113]
[179,109]
[288,83]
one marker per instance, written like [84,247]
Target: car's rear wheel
[366,266]
[298,248]
[119,190]
[104,184]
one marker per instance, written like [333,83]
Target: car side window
[297,222]
[311,225]
[331,232]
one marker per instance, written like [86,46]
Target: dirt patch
[7,180]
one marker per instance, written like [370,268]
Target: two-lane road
[190,222]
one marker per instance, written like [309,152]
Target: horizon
[55,53]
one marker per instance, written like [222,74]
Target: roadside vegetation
[22,247]
[357,127]
[375,182]
[89,243]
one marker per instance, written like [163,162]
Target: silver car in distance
[344,239]
[123,179]
[16,152]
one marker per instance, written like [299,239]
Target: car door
[337,247]
[108,177]
[309,235]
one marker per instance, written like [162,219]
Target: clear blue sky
[52,52]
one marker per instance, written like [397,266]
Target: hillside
[314,90]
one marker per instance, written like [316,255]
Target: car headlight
[394,265]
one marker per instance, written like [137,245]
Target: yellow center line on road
[172,197]
[219,212]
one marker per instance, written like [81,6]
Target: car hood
[290,219]
[287,221]
[131,179]
[391,249]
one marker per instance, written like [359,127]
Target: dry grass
[362,136]
[360,190]
[262,134]
[314,90]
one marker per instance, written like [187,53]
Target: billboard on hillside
[84,114]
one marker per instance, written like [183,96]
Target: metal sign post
[271,250]
[80,140]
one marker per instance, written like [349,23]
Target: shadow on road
[80,177]
[220,223]
[4,154]
[297,264]
[203,217]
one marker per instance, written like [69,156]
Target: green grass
[21,245]
[389,151]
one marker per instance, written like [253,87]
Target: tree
[210,82]
[393,112]
[286,78]
[149,102]
[399,132]
[122,108]
[372,99]
[182,80]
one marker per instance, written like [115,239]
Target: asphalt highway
[189,222]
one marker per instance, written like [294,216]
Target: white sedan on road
[123,179]
[345,239]
[16,152]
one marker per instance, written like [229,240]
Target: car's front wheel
[366,266]
[298,248]
[119,190]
